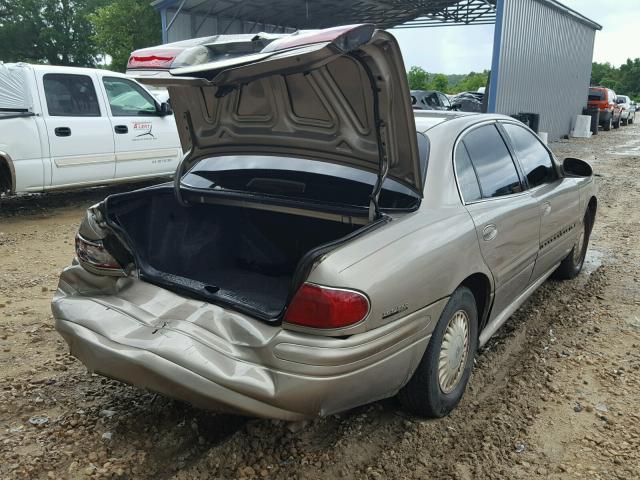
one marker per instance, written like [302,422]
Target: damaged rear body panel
[215,358]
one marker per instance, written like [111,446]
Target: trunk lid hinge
[185,163]
[383,164]
[374,207]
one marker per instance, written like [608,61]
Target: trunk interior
[232,255]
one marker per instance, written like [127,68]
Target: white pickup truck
[66,127]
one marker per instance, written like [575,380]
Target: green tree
[46,31]
[418,79]
[123,26]
[624,80]
[472,82]
[440,82]
[630,77]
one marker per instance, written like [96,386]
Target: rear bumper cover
[149,337]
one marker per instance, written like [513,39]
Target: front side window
[127,98]
[444,100]
[492,162]
[70,95]
[535,159]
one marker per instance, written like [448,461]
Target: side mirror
[165,109]
[574,167]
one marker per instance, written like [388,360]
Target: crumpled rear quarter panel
[139,333]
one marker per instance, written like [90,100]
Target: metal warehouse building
[542,50]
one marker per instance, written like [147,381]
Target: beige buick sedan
[323,246]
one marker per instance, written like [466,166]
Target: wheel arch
[480,286]
[7,174]
[590,214]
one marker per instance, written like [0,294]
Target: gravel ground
[554,395]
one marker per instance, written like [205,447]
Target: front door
[505,215]
[146,141]
[557,197]
[79,131]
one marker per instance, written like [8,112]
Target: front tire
[617,123]
[607,125]
[631,119]
[441,378]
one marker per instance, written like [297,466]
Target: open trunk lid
[338,95]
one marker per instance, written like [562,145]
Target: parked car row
[434,100]
[615,110]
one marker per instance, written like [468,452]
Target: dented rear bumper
[217,359]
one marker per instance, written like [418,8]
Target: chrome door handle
[489,232]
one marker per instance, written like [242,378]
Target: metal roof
[307,14]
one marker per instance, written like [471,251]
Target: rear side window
[534,158]
[492,162]
[596,95]
[467,180]
[70,95]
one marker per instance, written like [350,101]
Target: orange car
[604,99]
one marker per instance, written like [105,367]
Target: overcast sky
[462,49]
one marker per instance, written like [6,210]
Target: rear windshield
[297,178]
[596,95]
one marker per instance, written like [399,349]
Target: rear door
[79,131]
[558,198]
[146,142]
[505,215]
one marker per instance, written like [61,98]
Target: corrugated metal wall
[543,60]
[192,25]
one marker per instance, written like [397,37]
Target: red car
[605,100]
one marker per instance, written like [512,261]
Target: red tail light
[95,258]
[325,307]
[156,58]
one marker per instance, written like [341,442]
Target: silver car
[323,246]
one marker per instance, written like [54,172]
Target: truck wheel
[441,377]
[630,121]
[607,125]
[571,266]
[617,123]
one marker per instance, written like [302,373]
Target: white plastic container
[544,136]
[583,127]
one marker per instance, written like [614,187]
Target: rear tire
[616,124]
[630,120]
[571,266]
[607,125]
[441,378]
